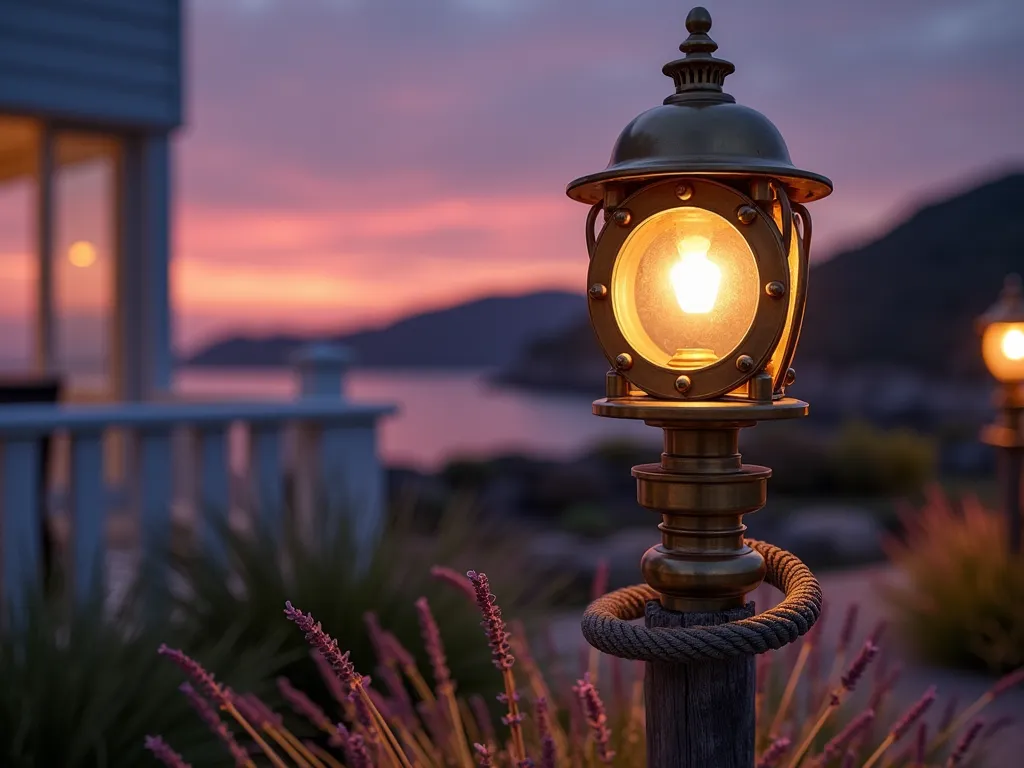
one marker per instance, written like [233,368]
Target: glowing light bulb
[694,278]
[1013,344]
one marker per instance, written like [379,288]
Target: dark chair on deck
[37,389]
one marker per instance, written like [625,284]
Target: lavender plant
[805,713]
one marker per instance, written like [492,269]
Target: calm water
[442,414]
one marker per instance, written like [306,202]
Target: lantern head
[698,276]
[1002,334]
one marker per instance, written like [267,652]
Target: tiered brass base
[701,489]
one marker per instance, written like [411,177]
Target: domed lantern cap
[1010,306]
[700,130]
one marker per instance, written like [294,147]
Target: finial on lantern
[698,75]
[698,24]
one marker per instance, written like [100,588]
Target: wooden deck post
[701,714]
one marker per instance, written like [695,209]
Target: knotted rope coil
[606,621]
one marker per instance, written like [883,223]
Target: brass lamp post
[1002,347]
[696,289]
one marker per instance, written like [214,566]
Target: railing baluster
[353,481]
[307,478]
[214,495]
[88,516]
[265,474]
[21,527]
[155,506]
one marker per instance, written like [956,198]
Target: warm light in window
[1013,344]
[695,279]
[82,254]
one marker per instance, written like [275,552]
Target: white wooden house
[91,93]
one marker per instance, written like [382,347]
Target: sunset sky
[346,162]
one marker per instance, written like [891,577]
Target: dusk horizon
[346,164]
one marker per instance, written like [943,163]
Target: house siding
[106,62]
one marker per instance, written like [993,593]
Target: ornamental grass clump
[807,715]
[960,601]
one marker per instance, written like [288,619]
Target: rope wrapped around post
[606,621]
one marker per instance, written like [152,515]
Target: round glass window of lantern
[685,289]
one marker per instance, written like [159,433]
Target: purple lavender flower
[542,717]
[302,705]
[497,634]
[455,579]
[593,709]
[773,754]
[398,651]
[853,729]
[328,647]
[433,645]
[164,753]
[265,716]
[356,753]
[859,664]
[956,757]
[219,728]
[549,753]
[913,714]
[365,718]
[484,757]
[1006,682]
[200,677]
[401,702]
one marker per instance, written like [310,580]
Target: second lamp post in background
[1002,347]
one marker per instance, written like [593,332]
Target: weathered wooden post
[697,286]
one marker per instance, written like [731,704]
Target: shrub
[81,690]
[867,460]
[804,718]
[590,520]
[242,593]
[962,603]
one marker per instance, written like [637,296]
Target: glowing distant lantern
[82,254]
[1002,334]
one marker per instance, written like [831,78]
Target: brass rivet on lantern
[744,363]
[790,376]
[775,289]
[746,214]
[683,383]
[684,192]
[624,361]
[598,291]
[622,217]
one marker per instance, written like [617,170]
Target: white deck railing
[195,459]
